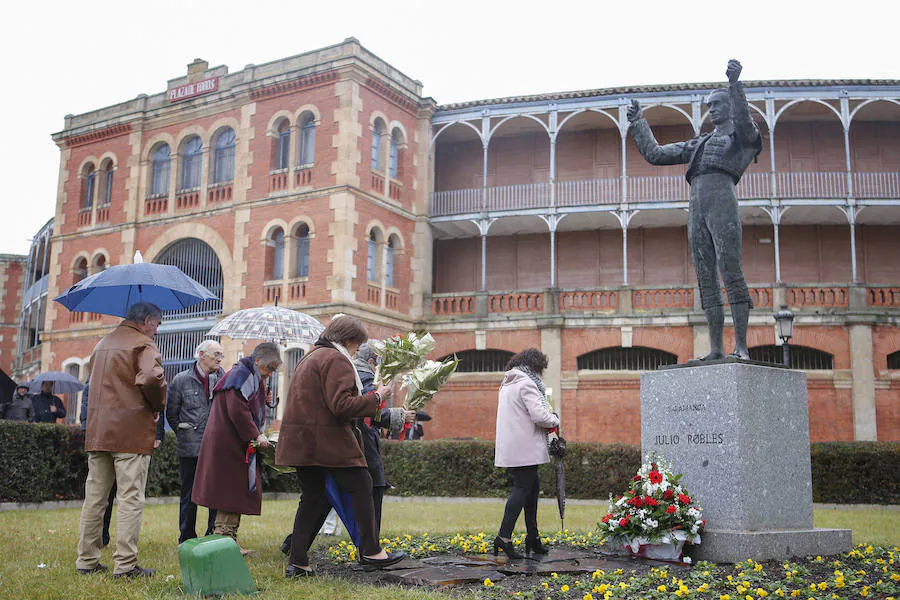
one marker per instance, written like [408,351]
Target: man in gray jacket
[187,409]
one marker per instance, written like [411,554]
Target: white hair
[204,347]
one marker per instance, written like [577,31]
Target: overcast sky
[69,57]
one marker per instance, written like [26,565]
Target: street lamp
[784,327]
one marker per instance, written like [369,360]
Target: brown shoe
[98,568]
[137,571]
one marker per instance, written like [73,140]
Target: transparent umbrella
[269,323]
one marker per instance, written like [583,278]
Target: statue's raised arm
[744,128]
[653,153]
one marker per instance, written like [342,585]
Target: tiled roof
[673,87]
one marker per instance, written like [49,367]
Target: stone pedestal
[739,433]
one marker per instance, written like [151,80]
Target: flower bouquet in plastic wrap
[425,380]
[267,453]
[400,354]
[655,516]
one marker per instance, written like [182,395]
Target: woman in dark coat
[228,477]
[317,438]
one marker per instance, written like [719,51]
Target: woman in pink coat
[523,418]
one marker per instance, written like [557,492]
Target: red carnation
[623,522]
[636,502]
[606,518]
[650,501]
[671,509]
[668,495]
[636,478]
[684,499]
[655,477]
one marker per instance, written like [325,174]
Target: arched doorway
[182,330]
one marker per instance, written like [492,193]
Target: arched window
[198,260]
[90,184]
[276,260]
[392,244]
[223,157]
[159,172]
[282,146]
[394,155]
[79,270]
[307,145]
[378,133]
[636,358]
[482,361]
[98,263]
[301,250]
[372,270]
[802,357]
[107,168]
[191,155]
[73,369]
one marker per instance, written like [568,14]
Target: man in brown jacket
[127,393]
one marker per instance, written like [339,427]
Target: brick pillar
[863,387]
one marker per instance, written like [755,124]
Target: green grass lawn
[37,548]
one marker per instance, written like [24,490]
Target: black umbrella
[558,451]
[7,387]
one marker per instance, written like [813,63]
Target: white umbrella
[271,323]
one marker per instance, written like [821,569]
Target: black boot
[507,548]
[533,544]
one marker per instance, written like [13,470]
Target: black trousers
[377,500]
[187,510]
[107,516]
[524,495]
[314,508]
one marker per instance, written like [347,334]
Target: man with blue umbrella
[127,393]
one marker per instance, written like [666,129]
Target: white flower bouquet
[400,354]
[425,380]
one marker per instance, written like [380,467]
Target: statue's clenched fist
[733,71]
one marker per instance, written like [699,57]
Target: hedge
[48,462]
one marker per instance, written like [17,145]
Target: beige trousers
[129,473]
[227,524]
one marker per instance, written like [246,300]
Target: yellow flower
[779,593]
[587,597]
[823,586]
[818,559]
[488,582]
[703,588]
[661,588]
[724,597]
[757,567]
[761,592]
[554,575]
[564,588]
[795,593]
[895,577]
[601,589]
[544,585]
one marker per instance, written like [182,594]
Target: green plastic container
[213,566]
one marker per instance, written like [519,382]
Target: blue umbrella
[113,291]
[63,383]
[343,506]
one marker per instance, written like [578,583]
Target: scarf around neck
[537,381]
[342,350]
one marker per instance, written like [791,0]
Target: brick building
[327,181]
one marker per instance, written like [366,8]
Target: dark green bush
[48,462]
[856,472]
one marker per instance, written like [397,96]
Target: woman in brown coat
[228,477]
[317,438]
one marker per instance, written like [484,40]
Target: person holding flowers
[523,418]
[229,476]
[317,438]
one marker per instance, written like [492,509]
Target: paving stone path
[450,570]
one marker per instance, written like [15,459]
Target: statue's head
[719,104]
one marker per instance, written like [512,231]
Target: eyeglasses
[219,355]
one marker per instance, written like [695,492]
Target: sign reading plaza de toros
[192,90]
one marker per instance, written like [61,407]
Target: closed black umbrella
[558,452]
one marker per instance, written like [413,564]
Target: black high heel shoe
[533,544]
[507,548]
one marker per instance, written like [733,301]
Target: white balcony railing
[668,188]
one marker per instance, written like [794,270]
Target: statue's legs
[714,231]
